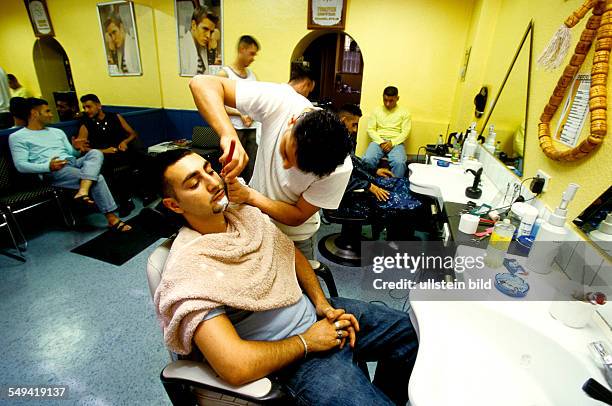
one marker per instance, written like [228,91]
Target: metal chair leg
[324,272]
[19,255]
[21,235]
[68,220]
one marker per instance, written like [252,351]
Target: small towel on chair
[250,267]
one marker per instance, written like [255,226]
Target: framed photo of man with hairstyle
[120,38]
[199,36]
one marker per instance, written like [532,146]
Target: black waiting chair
[22,192]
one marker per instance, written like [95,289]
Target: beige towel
[251,267]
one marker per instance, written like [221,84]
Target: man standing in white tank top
[244,125]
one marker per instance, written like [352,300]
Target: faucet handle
[601,352]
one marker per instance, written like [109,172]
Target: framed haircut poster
[120,38]
[326,14]
[200,36]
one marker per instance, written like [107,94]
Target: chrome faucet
[602,353]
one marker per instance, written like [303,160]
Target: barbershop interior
[326,202]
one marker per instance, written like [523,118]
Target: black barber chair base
[343,248]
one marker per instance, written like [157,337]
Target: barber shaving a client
[302,163]
[237,287]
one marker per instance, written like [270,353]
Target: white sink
[499,353]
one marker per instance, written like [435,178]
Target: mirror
[508,112]
[596,221]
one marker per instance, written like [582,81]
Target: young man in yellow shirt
[388,128]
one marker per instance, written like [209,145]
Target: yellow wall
[593,173]
[77,29]
[413,44]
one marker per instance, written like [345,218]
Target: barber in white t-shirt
[303,161]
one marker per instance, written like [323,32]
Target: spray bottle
[551,235]
[470,145]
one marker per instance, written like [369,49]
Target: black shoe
[126,208]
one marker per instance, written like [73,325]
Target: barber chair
[190,382]
[354,212]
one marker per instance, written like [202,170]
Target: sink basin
[499,353]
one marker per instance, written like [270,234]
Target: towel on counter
[250,267]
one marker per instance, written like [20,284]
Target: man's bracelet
[305,345]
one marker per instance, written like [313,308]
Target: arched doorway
[337,64]
[54,75]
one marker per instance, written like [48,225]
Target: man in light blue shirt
[37,148]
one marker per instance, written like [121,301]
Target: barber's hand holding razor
[234,163]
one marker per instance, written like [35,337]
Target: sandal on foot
[85,200]
[119,227]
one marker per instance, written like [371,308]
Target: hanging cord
[558,47]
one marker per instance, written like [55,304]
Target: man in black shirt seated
[111,134]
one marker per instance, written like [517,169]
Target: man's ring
[337,324]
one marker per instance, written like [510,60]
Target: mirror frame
[528,33]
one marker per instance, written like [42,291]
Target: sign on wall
[200,36]
[326,14]
[39,17]
[120,38]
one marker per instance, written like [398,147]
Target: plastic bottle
[470,144]
[456,153]
[522,216]
[490,144]
[440,140]
[499,243]
[551,235]
[497,148]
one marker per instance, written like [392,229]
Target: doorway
[54,74]
[336,63]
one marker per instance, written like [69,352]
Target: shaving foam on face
[224,202]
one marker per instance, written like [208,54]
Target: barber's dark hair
[20,108]
[248,40]
[200,13]
[114,19]
[162,162]
[322,142]
[90,97]
[300,72]
[390,91]
[350,109]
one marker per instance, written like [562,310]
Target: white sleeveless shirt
[237,121]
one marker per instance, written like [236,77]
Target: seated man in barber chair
[237,287]
[393,197]
[123,152]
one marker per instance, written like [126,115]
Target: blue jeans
[86,167]
[397,158]
[335,378]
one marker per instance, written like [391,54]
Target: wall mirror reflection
[504,126]
[596,221]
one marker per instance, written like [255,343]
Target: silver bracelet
[305,345]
